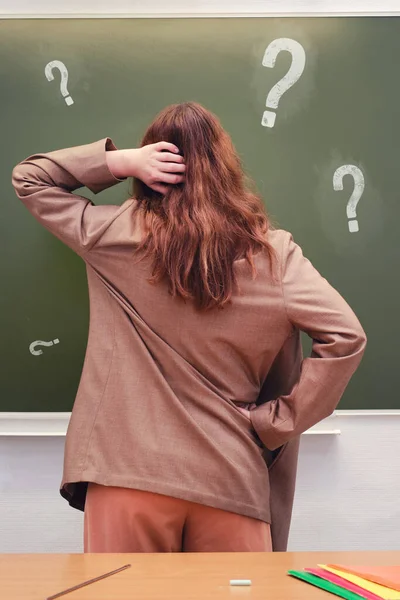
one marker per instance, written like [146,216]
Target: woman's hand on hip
[246,411]
[157,165]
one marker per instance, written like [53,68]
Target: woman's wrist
[121,163]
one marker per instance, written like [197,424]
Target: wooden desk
[172,576]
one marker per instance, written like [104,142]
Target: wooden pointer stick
[81,585]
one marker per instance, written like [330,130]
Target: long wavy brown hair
[196,231]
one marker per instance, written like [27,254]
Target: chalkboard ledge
[54,424]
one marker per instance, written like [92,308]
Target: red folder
[347,585]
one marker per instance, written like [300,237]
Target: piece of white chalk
[240,582]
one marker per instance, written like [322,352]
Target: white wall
[348,485]
[347,492]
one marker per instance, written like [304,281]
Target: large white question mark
[359,185]
[284,84]
[57,64]
[40,343]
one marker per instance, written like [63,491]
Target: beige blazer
[156,407]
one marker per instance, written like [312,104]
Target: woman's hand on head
[158,165]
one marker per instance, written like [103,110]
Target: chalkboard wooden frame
[51,424]
[210,8]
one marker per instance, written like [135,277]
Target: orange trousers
[127,520]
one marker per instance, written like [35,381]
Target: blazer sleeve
[45,182]
[314,307]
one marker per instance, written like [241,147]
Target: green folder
[325,585]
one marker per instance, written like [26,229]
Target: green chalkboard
[343,111]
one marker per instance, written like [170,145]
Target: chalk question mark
[359,185]
[40,343]
[295,71]
[57,64]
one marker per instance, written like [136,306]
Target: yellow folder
[380,590]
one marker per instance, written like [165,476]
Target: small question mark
[57,64]
[40,343]
[284,84]
[358,191]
